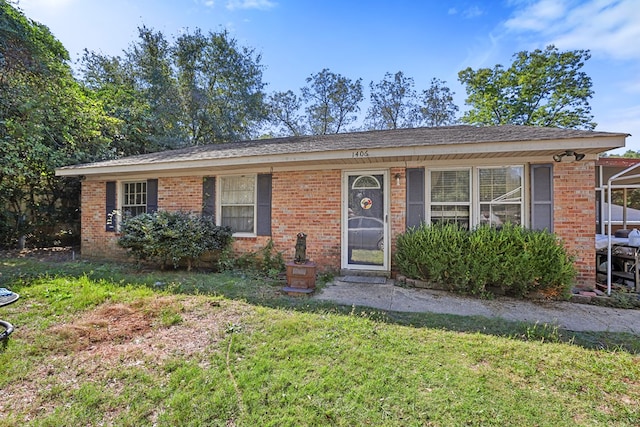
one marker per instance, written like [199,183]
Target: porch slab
[373,280]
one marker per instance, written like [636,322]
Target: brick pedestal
[301,278]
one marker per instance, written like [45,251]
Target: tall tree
[540,88]
[332,102]
[284,113]
[200,89]
[46,121]
[150,62]
[393,103]
[112,81]
[437,107]
[220,87]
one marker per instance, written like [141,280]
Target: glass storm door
[366,226]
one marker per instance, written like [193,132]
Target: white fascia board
[603,143]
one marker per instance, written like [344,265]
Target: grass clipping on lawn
[148,331]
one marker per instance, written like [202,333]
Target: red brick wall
[574,215]
[180,194]
[95,241]
[398,201]
[310,201]
[98,243]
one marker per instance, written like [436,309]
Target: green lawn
[106,345]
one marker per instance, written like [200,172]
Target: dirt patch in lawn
[53,254]
[116,336]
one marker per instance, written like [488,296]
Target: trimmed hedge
[511,260]
[172,237]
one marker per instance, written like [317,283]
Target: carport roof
[436,143]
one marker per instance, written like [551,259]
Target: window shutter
[415,197]
[209,196]
[542,197]
[111,206]
[152,196]
[263,209]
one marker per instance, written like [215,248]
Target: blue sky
[358,39]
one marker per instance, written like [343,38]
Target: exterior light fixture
[397,177]
[568,153]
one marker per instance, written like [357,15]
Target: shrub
[172,237]
[266,262]
[512,260]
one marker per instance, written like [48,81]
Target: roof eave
[453,150]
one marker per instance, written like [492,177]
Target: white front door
[365,230]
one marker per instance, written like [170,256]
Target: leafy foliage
[267,262]
[540,88]
[332,102]
[219,86]
[393,103]
[284,113]
[172,237]
[512,260]
[46,120]
[438,108]
[199,89]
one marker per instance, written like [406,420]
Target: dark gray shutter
[111,206]
[542,197]
[209,196]
[152,196]
[263,211]
[415,197]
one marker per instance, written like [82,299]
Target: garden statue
[301,249]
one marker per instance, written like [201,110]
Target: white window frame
[521,203]
[122,206]
[219,204]
[474,207]
[430,202]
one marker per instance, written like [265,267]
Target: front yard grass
[103,344]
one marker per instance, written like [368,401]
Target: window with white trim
[450,196]
[476,196]
[238,203]
[134,198]
[500,195]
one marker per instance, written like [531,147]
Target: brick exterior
[574,215]
[310,201]
[95,241]
[398,201]
[174,194]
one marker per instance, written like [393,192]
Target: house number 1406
[362,153]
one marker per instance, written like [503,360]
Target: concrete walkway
[381,293]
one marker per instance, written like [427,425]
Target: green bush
[266,262]
[512,260]
[172,237]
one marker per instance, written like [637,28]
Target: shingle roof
[368,140]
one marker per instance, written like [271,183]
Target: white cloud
[622,120]
[473,12]
[607,27]
[470,12]
[250,4]
[536,17]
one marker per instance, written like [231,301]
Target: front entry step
[374,280]
[365,273]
